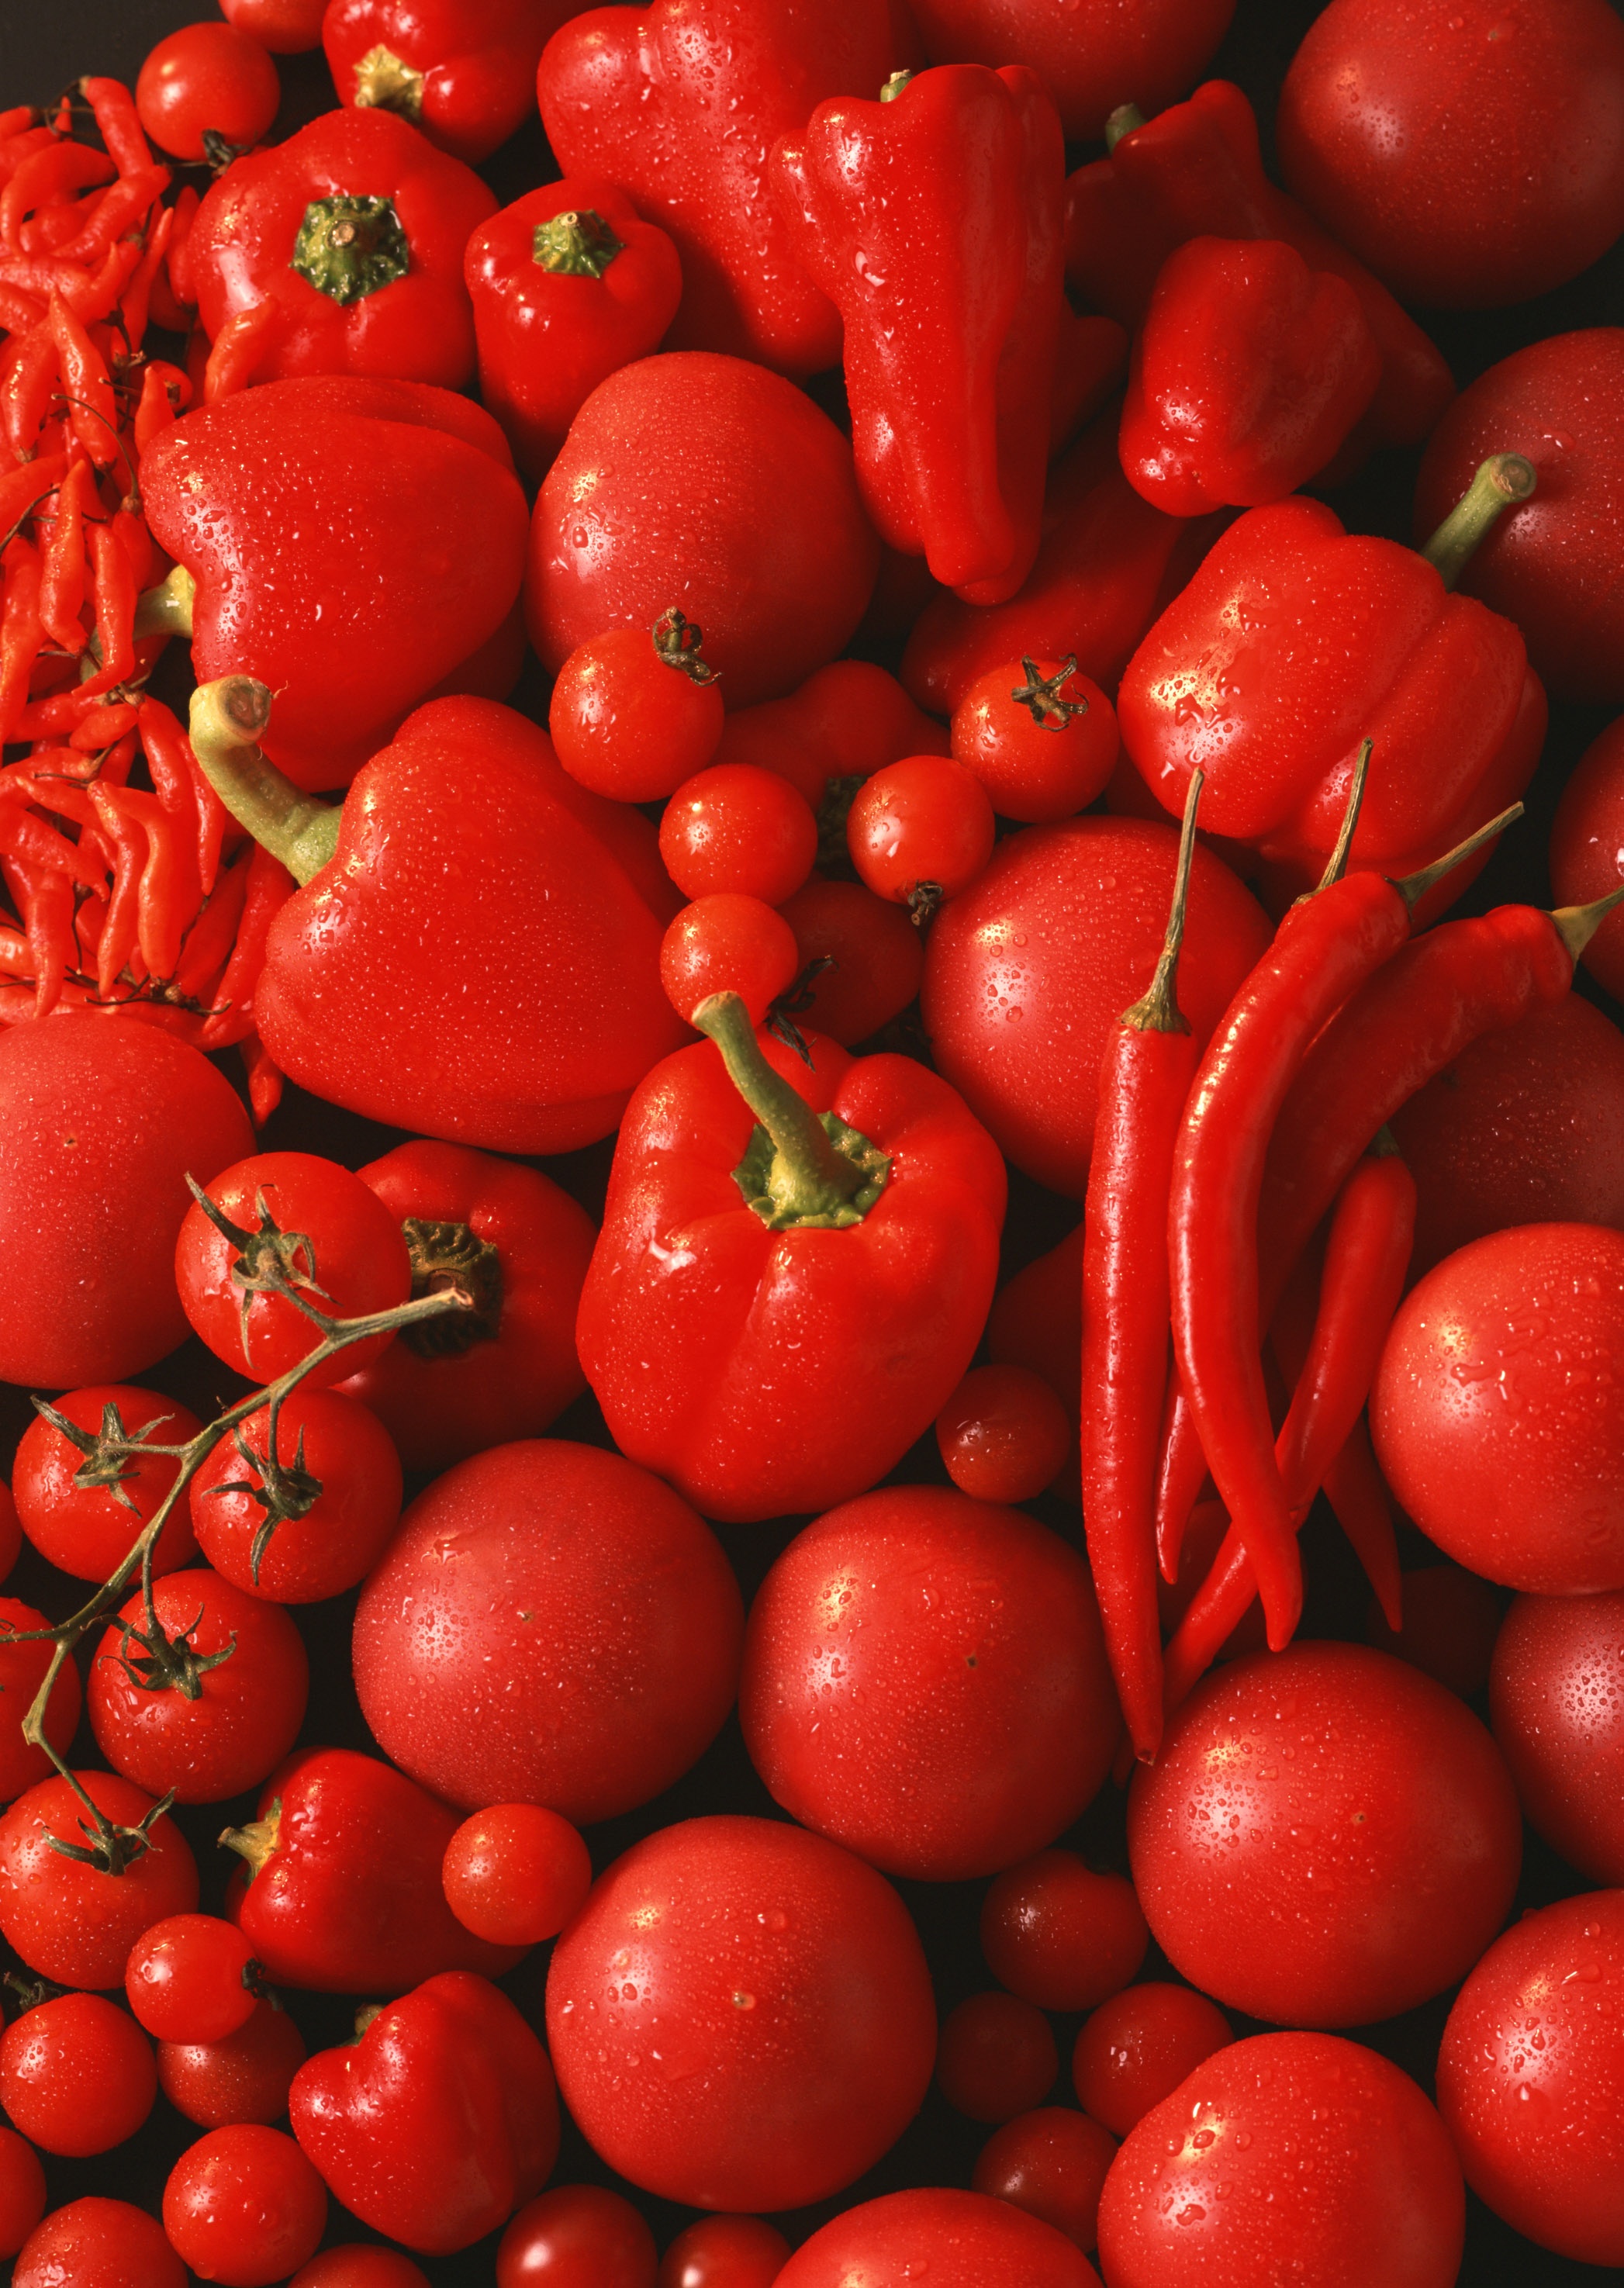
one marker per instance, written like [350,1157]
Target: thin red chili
[270,886]
[93,408]
[1144,1081]
[62,566]
[179,784]
[44,896]
[21,632]
[117,123]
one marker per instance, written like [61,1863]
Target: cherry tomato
[1450,1619]
[1053,2163]
[1498,1414]
[1363,1814]
[632,720]
[22,2191]
[877,958]
[954,2240]
[190,1979]
[1140,2045]
[1557,1704]
[243,2206]
[10,1532]
[349,1475]
[108,2242]
[995,2057]
[576,2236]
[920,831]
[356,2264]
[22,1672]
[1042,757]
[516,1873]
[76,2075]
[727,944]
[724,2251]
[924,1681]
[326,1235]
[740,2016]
[287,27]
[86,1529]
[73,1923]
[1087,54]
[1003,1434]
[735,828]
[208,1702]
[102,1124]
[1587,849]
[243,2077]
[1248,2172]
[1059,1934]
[212,79]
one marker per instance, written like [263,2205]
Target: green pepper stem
[1338,865]
[1159,1012]
[166,610]
[228,717]
[1122,121]
[1576,926]
[809,1175]
[1503,481]
[1414,888]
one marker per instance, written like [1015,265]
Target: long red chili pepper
[1144,1080]
[270,886]
[62,566]
[93,408]
[118,124]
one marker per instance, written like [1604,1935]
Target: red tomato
[1138,2047]
[86,1530]
[924,1681]
[76,2075]
[103,1122]
[1359,1810]
[1026,974]
[191,1979]
[1041,759]
[75,1924]
[1060,1935]
[577,2236]
[349,1461]
[954,2240]
[628,720]
[515,1874]
[212,78]
[22,2191]
[740,2016]
[108,2242]
[1003,1434]
[1557,1704]
[355,2264]
[737,829]
[22,1672]
[243,2206]
[1498,1412]
[995,2057]
[876,954]
[1587,849]
[1053,2163]
[724,2251]
[1531,2077]
[326,1235]
[243,2077]
[727,943]
[1250,2172]
[583,1651]
[920,831]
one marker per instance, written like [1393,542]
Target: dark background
[44,49]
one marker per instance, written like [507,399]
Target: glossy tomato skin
[1531,2077]
[1027,972]
[1587,849]
[207,77]
[1059,1934]
[1053,2162]
[86,1531]
[924,1681]
[581,1652]
[344,1532]
[76,2075]
[724,2251]
[1557,1704]
[22,1672]
[1288,2157]
[75,1924]
[243,2077]
[244,2206]
[740,2016]
[1361,1812]
[995,2057]
[1497,1412]
[22,2191]
[103,1123]
[953,2239]
[673,462]
[113,2243]
[1136,2048]
[577,2236]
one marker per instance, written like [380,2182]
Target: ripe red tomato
[1003,1435]
[357,2264]
[1587,849]
[1053,2163]
[924,1681]
[724,2251]
[741,830]
[876,954]
[1557,1704]
[22,1672]
[727,943]
[75,1924]
[243,2206]
[1137,2048]
[346,1452]
[920,829]
[207,77]
[1040,766]
[22,2191]
[995,2057]
[581,1652]
[628,719]
[514,1874]
[1059,1934]
[76,2075]
[740,2016]
[1531,2077]
[1498,1412]
[191,1979]
[577,2236]
[1252,2170]
[103,1122]
[99,2240]
[243,2077]
[1359,1811]
[952,2240]
[86,1530]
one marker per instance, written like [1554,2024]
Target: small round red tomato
[516,1873]
[724,2251]
[995,2057]
[22,1672]
[1044,743]
[1363,1813]
[85,1529]
[1059,1934]
[209,1703]
[1498,1412]
[1138,2047]
[73,1923]
[1053,2163]
[99,2240]
[316,1227]
[1557,1704]
[1003,1434]
[243,2206]
[330,1510]
[358,2264]
[1450,1619]
[207,78]
[740,2016]
[633,719]
[286,28]
[1249,2170]
[76,2075]
[1587,849]
[924,1681]
[190,1979]
[243,2077]
[875,958]
[735,828]
[954,2240]
[727,944]
[576,2236]
[921,830]
[22,2191]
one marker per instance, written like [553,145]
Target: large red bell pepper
[462,70]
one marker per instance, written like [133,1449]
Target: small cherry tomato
[22,1672]
[308,1223]
[82,1502]
[76,1923]
[1052,2163]
[995,2057]
[206,79]
[1140,2045]
[635,712]
[1557,1704]
[243,2206]
[1003,1435]
[22,2191]
[1040,737]
[76,2075]
[190,1979]
[724,2251]
[1450,1619]
[727,944]
[1059,1934]
[576,2236]
[357,2264]
[921,830]
[99,2240]
[735,828]
[243,2077]
[516,1873]
[875,958]
[317,1523]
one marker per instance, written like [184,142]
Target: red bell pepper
[1196,171]
[654,102]
[568,284]
[462,70]
[931,219]
[328,526]
[779,1303]
[437,2120]
[1247,374]
[353,230]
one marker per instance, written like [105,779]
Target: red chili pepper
[36,842]
[181,786]
[57,172]
[115,212]
[43,897]
[117,125]
[21,632]
[56,225]
[30,378]
[165,392]
[1362,1506]
[20,489]
[208,941]
[19,313]
[463,71]
[121,929]
[1145,1078]
[177,261]
[94,409]
[135,297]
[932,221]
[114,593]
[62,566]
[264,1079]
[21,134]
[238,350]
[270,886]
[169,892]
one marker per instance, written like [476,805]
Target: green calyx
[801,1171]
[349,247]
[579,245]
[452,1255]
[386,81]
